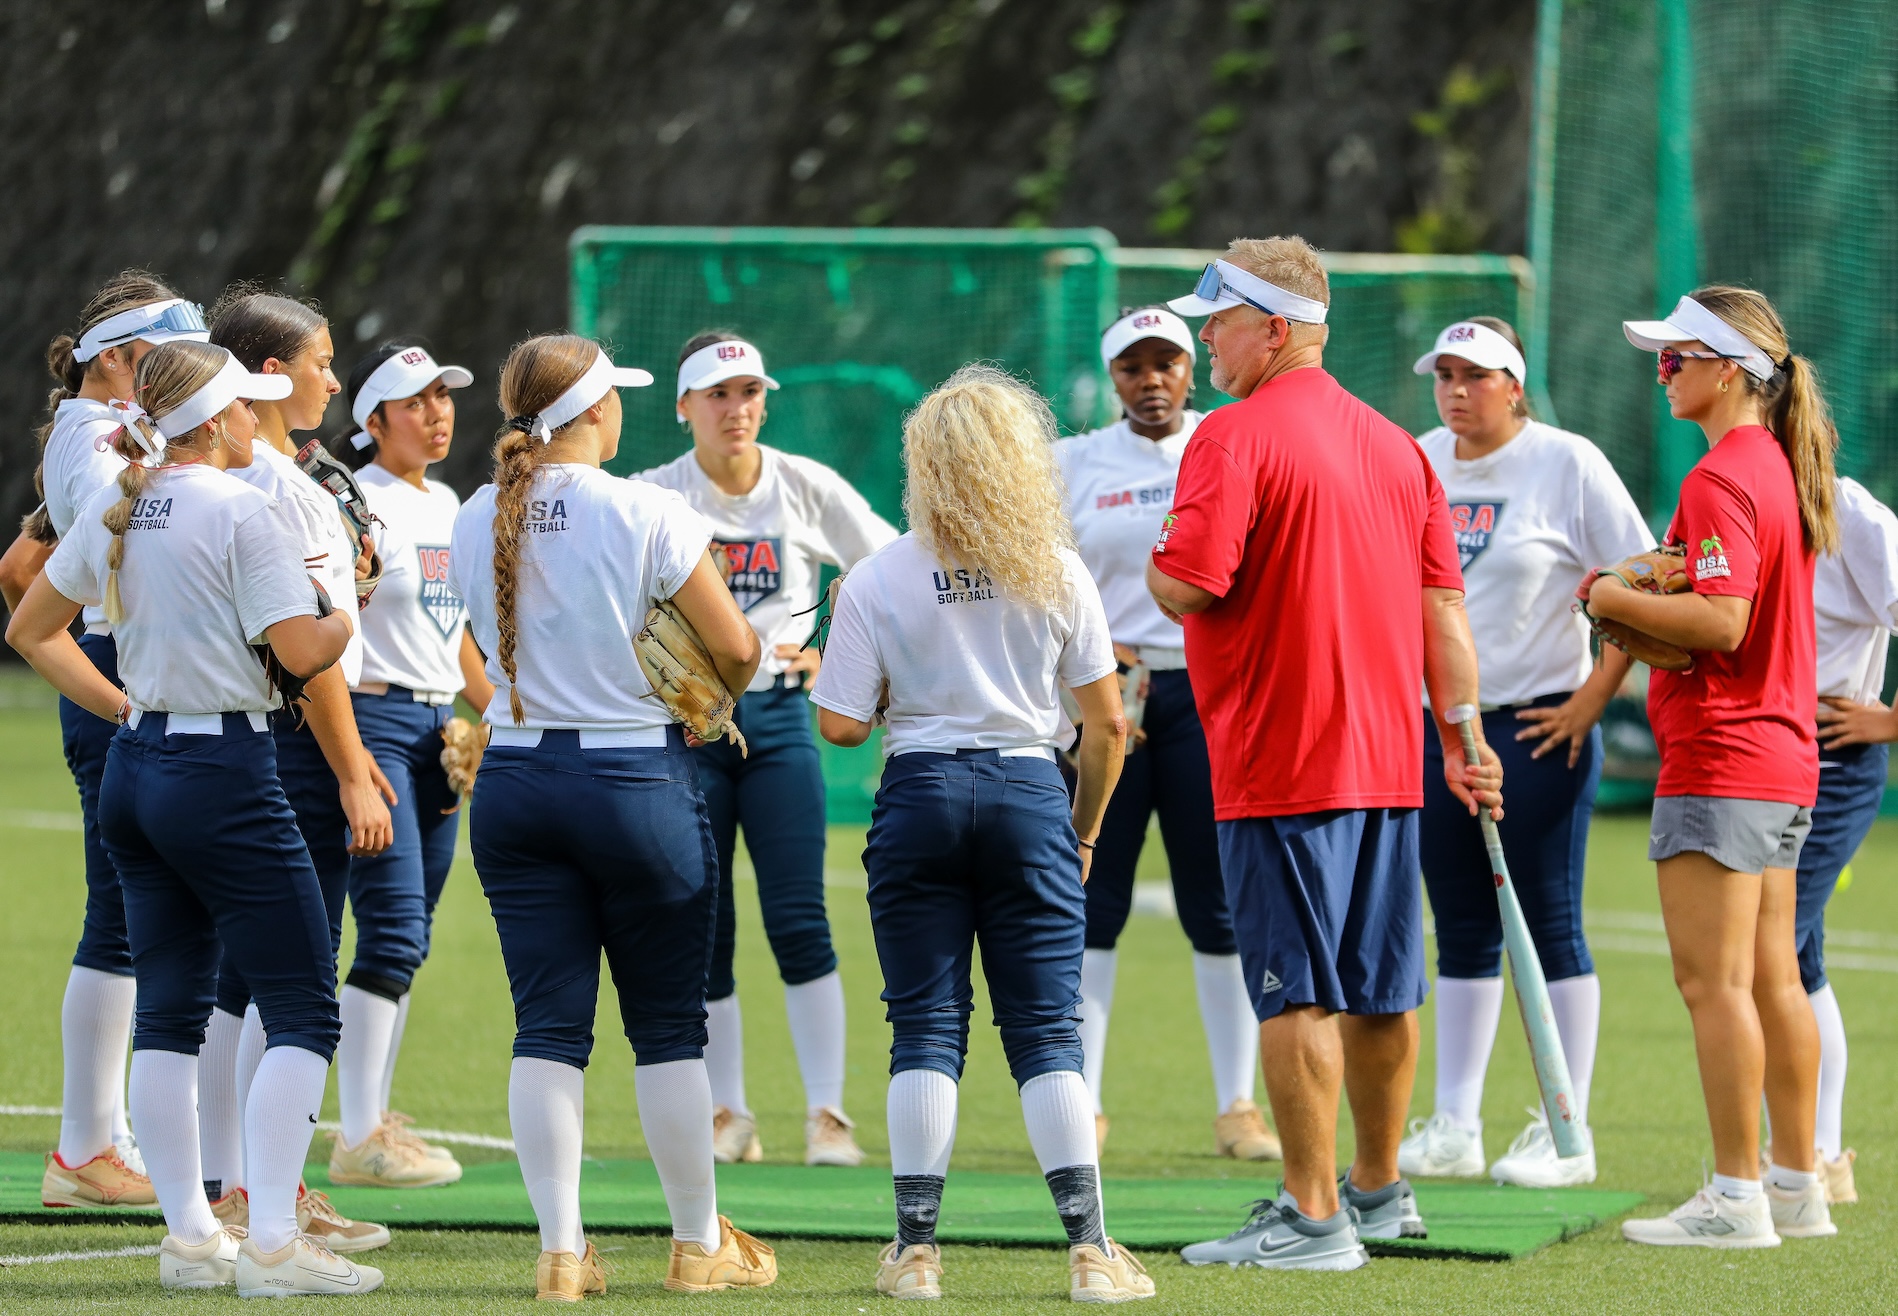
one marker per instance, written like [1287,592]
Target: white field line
[52,1111]
[102,1254]
[42,820]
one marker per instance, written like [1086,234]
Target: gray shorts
[1747,836]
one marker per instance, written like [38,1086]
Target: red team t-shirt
[1318,523]
[1742,724]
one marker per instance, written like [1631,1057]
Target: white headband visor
[403,375]
[1148,322]
[717,362]
[230,383]
[600,377]
[1224,284]
[1689,321]
[154,323]
[1479,345]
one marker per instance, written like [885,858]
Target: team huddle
[1074,637]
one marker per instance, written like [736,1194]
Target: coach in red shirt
[1310,556]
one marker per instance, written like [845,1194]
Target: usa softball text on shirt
[960,586]
[438,597]
[754,567]
[544,517]
[1474,524]
[1159,495]
[1712,561]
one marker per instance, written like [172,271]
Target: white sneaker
[1440,1148]
[1801,1212]
[205,1265]
[1708,1219]
[1533,1162]
[299,1267]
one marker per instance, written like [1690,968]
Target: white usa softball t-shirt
[411,630]
[1529,520]
[597,553]
[210,564]
[318,519]
[968,667]
[1120,489]
[1855,596]
[777,538]
[75,466]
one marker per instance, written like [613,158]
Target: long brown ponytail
[121,292]
[1796,410]
[167,376]
[537,372]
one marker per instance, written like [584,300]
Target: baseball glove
[317,463]
[462,745]
[685,678]
[288,684]
[1662,571]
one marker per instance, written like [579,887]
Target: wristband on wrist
[124,714]
[1085,845]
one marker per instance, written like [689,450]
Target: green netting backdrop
[857,325]
[1744,141]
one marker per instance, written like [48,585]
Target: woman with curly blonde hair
[958,636]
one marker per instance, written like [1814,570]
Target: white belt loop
[1162,660]
[1028,752]
[515,737]
[597,738]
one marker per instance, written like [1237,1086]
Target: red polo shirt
[1318,523]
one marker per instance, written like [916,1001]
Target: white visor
[1689,321]
[403,375]
[600,378]
[1479,345]
[1224,284]
[154,323]
[1148,322]
[717,362]
[230,383]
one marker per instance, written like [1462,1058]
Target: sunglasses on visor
[1673,359]
[184,318]
[1212,285]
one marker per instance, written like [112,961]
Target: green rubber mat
[1466,1220]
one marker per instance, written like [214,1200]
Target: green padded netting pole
[1678,445]
[1548,88]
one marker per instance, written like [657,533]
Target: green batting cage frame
[858,324]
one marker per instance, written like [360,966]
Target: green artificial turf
[1650,1129]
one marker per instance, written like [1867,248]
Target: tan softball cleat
[389,1158]
[300,1267]
[563,1277]
[399,1125]
[828,1139]
[105,1180]
[1110,1275]
[319,1218]
[1241,1133]
[206,1265]
[735,1137]
[740,1262]
[910,1272]
[1836,1175]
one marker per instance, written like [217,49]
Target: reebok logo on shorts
[1270,983]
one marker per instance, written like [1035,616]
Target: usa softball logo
[438,598]
[1473,524]
[755,570]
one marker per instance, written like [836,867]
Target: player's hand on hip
[800,660]
[1843,722]
[1087,862]
[1567,723]
[1481,784]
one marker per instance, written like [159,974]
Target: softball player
[1739,755]
[1533,508]
[777,519]
[339,794]
[1855,601]
[589,831]
[97,1162]
[1119,487]
[416,657]
[190,568]
[960,634]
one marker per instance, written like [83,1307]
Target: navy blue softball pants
[588,850]
[972,849]
[85,737]
[208,852]
[1851,785]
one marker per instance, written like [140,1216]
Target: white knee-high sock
[220,1118]
[1577,1006]
[384,1104]
[816,1010]
[121,1116]
[1056,1109]
[1232,1030]
[725,1054]
[921,1115]
[95,1022]
[250,1053]
[675,1114]
[1097,1005]
[1829,1128]
[546,1109]
[362,1054]
[1468,1010]
[164,1102]
[286,1094]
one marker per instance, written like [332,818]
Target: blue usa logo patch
[753,568]
[439,599]
[1473,524]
